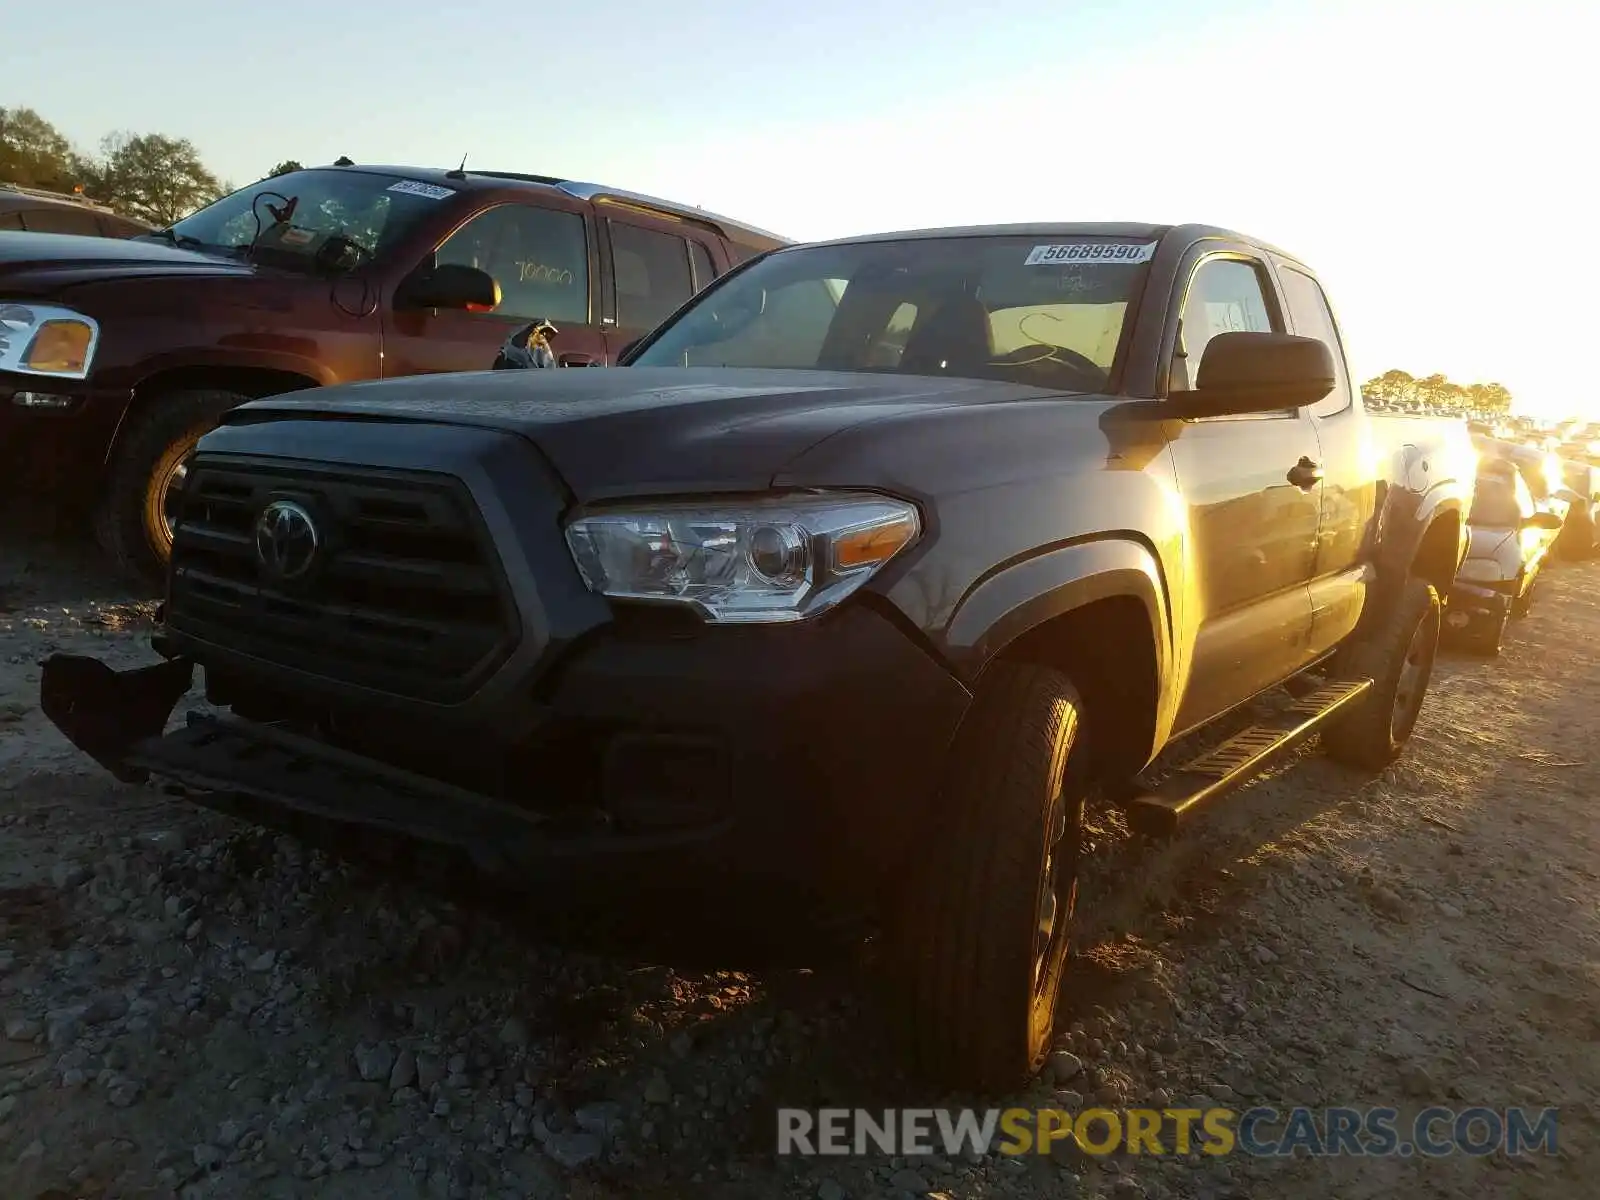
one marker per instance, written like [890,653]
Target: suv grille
[405,594]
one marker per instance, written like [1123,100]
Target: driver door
[543,257]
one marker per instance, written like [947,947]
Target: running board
[1157,811]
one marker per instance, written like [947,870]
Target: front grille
[406,594]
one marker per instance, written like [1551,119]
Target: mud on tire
[975,998]
[129,523]
[1397,655]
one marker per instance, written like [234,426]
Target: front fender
[1018,598]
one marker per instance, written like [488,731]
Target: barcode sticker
[413,187]
[1090,252]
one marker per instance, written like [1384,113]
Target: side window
[1309,311]
[62,220]
[1225,296]
[652,270]
[704,269]
[539,256]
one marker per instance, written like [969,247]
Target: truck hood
[33,264]
[625,431]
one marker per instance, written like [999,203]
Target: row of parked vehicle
[870,561]
[1529,508]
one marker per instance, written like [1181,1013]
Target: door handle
[1305,474]
[578,360]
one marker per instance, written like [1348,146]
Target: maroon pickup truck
[117,355]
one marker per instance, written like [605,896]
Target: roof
[1135,230]
[63,198]
[475,180]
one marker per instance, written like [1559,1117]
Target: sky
[1430,160]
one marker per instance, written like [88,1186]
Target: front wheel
[1397,655]
[982,933]
[134,521]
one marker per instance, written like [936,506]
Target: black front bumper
[1475,611]
[804,754]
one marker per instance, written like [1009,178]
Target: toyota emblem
[286,540]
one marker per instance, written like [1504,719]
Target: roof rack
[47,194]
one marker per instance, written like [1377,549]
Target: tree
[34,153]
[153,176]
[283,168]
[1437,393]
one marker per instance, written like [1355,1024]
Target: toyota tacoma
[871,562]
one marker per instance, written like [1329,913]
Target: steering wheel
[1038,352]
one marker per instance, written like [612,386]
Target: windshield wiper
[175,238]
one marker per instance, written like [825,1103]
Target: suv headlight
[743,562]
[47,340]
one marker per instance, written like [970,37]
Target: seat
[955,335]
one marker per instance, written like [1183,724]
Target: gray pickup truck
[864,568]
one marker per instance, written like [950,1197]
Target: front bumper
[803,755]
[1476,610]
[54,434]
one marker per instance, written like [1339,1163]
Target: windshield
[1494,502]
[1021,309]
[332,218]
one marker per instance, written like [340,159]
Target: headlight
[45,339]
[1480,570]
[750,562]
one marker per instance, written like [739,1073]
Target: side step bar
[1157,811]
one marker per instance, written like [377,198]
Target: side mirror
[1545,520]
[451,285]
[1257,372]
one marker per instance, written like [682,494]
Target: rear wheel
[1397,655]
[134,521]
[981,937]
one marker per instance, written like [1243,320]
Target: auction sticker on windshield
[1090,252]
[413,187]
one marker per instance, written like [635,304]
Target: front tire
[133,522]
[982,934]
[1397,655]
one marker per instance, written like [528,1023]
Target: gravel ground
[194,1007]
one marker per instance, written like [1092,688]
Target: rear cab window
[1311,316]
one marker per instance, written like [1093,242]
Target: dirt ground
[192,1007]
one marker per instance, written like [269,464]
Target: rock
[1388,902]
[514,1032]
[658,1091]
[8,1105]
[601,1118]
[1126,1186]
[264,961]
[907,1180]
[1064,1066]
[681,1045]
[829,1190]
[1417,1082]
[573,1150]
[374,1063]
[1265,955]
[430,1070]
[124,1093]
[63,1031]
[23,1029]
[168,842]
[368,1159]
[404,1073]
[34,1149]
[208,1157]
[69,875]
[107,1006]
